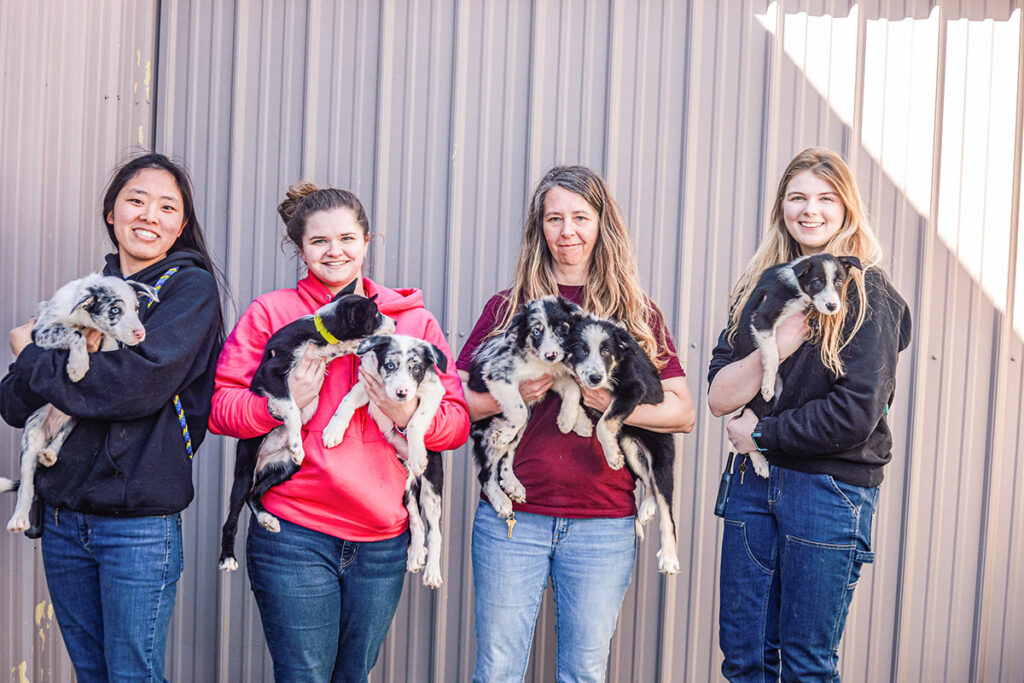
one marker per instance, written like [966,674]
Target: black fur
[266,461]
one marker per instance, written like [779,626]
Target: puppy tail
[9,484]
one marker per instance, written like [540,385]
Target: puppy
[334,330]
[533,346]
[602,354]
[781,291]
[266,461]
[406,367]
[105,303]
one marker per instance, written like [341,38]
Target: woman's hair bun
[286,209]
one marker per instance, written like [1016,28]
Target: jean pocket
[735,543]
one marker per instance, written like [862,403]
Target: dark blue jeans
[326,604]
[792,551]
[113,581]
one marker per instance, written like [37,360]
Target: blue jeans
[792,551]
[112,581]
[326,604]
[589,561]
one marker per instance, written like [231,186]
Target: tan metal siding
[441,115]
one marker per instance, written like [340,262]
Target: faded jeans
[589,562]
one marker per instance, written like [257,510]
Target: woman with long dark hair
[111,529]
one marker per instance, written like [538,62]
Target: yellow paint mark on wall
[149,77]
[21,669]
[44,621]
[138,57]
[140,135]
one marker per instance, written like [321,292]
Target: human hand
[791,334]
[307,377]
[21,336]
[93,339]
[399,412]
[598,399]
[534,389]
[739,430]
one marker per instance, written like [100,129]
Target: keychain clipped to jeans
[723,487]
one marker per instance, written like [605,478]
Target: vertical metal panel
[76,95]
[441,115]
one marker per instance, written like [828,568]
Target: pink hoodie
[353,491]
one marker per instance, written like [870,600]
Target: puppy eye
[605,352]
[115,310]
[389,366]
[535,332]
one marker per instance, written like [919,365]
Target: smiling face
[570,230]
[334,247]
[148,216]
[812,211]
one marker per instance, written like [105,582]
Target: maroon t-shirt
[565,475]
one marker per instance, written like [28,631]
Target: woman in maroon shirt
[576,527]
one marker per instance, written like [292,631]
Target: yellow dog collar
[328,337]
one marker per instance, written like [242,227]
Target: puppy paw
[228,564]
[501,503]
[647,509]
[298,454]
[432,577]
[639,528]
[565,422]
[269,522]
[19,522]
[583,427]
[47,457]
[668,563]
[615,459]
[513,488]
[417,559]
[760,464]
[502,437]
[768,391]
[333,434]
[76,371]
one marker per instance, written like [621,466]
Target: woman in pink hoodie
[328,584]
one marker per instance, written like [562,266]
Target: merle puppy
[263,462]
[603,354]
[408,368]
[810,281]
[105,303]
[533,346]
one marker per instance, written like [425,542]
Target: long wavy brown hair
[612,288]
[854,238]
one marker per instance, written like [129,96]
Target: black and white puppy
[810,281]
[533,346]
[407,367]
[334,330]
[265,461]
[604,355]
[105,303]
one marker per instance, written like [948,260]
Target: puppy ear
[802,267]
[87,300]
[438,357]
[142,290]
[850,262]
[371,344]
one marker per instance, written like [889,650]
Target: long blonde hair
[854,238]
[612,288]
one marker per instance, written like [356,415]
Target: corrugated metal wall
[441,115]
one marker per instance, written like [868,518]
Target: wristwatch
[755,436]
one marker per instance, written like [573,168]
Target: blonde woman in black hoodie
[794,543]
[111,532]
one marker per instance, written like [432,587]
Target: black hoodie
[127,456]
[824,424]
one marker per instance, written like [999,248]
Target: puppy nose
[595,378]
[139,334]
[551,355]
[831,306]
[401,393]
